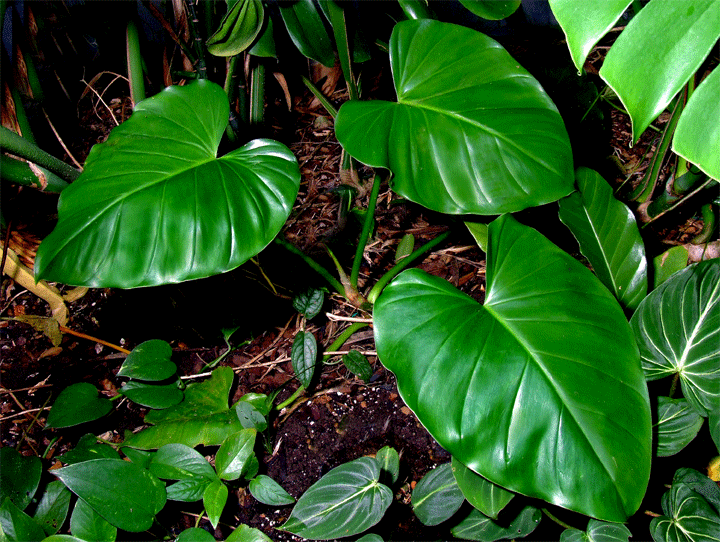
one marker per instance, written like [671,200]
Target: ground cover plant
[551,390]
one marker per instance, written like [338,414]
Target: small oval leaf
[487,497]
[268,491]
[234,458]
[214,499]
[437,496]
[309,303]
[677,425]
[304,357]
[389,461]
[346,501]
[358,364]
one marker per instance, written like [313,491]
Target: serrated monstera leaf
[471,132]
[156,205]
[653,57]
[539,390]
[608,236]
[677,328]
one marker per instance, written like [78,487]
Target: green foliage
[268,491]
[76,404]
[487,497]
[452,109]
[239,28]
[309,303]
[597,531]
[346,501]
[477,526]
[19,477]
[358,364]
[533,363]
[437,496]
[304,357]
[177,212]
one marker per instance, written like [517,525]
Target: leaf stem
[367,227]
[19,146]
[343,337]
[95,339]
[387,277]
[556,520]
[320,96]
[280,240]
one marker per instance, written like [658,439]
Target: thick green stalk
[235,90]
[197,40]
[21,115]
[335,283]
[365,234]
[134,64]
[343,337]
[415,9]
[342,40]
[21,173]
[387,277]
[257,94]
[14,144]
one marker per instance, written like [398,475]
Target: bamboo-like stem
[134,64]
[320,96]
[14,144]
[312,264]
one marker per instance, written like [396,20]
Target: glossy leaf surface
[88,448]
[238,29]
[492,9]
[437,496]
[250,417]
[675,38]
[546,373]
[19,476]
[155,205]
[346,501]
[214,499]
[487,497]
[477,526]
[203,417]
[195,534]
[248,534]
[124,494]
[584,23]
[668,263]
[471,132]
[677,425]
[696,139]
[149,360]
[268,491]
[358,365]
[389,461]
[87,524]
[608,235]
[677,329]
[304,356]
[597,531]
[233,459]
[76,404]
[304,23]
[152,395]
[180,462]
[309,302]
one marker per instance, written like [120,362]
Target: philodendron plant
[155,204]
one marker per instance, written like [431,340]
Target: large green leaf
[696,139]
[87,524]
[677,328]
[155,205]
[608,236]
[471,132]
[203,417]
[124,494]
[346,501]
[540,390]
[661,48]
[487,497]
[477,526]
[585,23]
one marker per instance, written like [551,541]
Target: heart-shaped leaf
[268,491]
[546,373]
[346,501]
[597,531]
[677,328]
[203,417]
[152,395]
[471,133]
[477,526]
[19,477]
[437,496]
[238,29]
[149,361]
[608,236]
[677,425]
[87,524]
[155,205]
[487,497]
[689,517]
[76,404]
[124,494]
